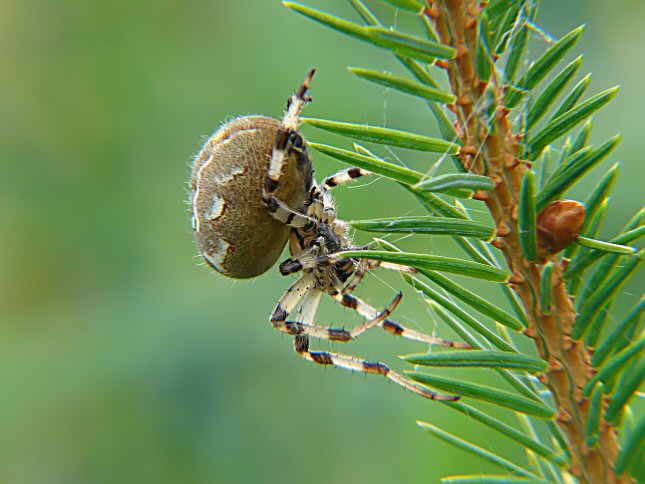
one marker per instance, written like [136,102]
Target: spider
[253,191]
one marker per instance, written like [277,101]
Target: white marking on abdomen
[227,177]
[217,252]
[198,179]
[235,170]
[217,208]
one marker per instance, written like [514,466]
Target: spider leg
[282,212]
[287,127]
[364,266]
[293,264]
[307,261]
[326,260]
[320,198]
[361,271]
[307,315]
[298,264]
[296,293]
[321,204]
[344,176]
[304,291]
[370,313]
[287,133]
[301,345]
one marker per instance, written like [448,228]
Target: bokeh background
[122,358]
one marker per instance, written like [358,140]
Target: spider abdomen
[235,232]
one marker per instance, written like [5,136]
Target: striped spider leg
[342,294]
[288,138]
[321,199]
[306,292]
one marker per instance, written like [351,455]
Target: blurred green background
[122,358]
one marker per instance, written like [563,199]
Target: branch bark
[495,153]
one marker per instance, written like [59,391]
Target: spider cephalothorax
[252,190]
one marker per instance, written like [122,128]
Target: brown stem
[570,367]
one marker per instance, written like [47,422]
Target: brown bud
[559,225]
[516,278]
[564,416]
[432,12]
[481,195]
[468,150]
[463,100]
[503,230]
[531,333]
